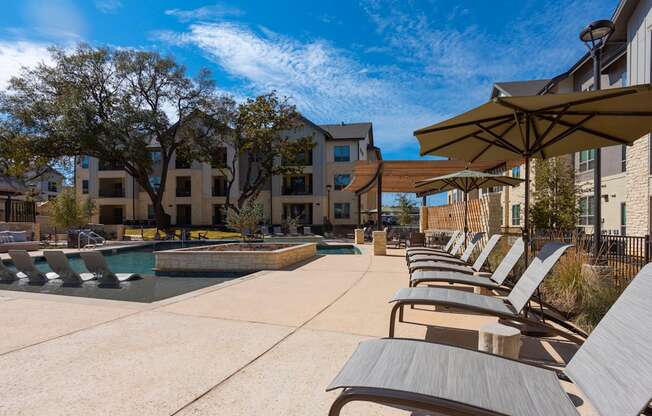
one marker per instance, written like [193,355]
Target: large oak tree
[115,105]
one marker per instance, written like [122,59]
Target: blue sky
[400,64]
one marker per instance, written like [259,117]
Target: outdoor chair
[61,266]
[423,256]
[436,264]
[416,240]
[612,370]
[446,262]
[307,230]
[278,232]
[6,275]
[96,264]
[25,265]
[510,308]
[445,248]
[495,280]
[451,248]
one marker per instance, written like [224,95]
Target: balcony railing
[112,193]
[183,192]
[296,191]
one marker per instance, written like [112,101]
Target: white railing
[92,238]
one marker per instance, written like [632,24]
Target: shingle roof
[521,88]
[348,130]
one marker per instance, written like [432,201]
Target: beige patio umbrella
[541,126]
[465,181]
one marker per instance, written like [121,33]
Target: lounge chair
[96,264]
[422,256]
[443,262]
[493,281]
[612,370]
[61,266]
[416,240]
[6,275]
[307,230]
[277,231]
[442,266]
[25,265]
[293,230]
[509,308]
[451,249]
[446,248]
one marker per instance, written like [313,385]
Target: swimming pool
[141,260]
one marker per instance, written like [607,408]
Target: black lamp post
[595,37]
[328,201]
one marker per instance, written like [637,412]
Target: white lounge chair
[96,264]
[6,275]
[25,265]
[61,266]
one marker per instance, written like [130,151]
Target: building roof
[348,131]
[519,88]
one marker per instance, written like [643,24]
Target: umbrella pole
[526,227]
[466,217]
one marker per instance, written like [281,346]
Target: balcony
[111,188]
[104,165]
[184,187]
[297,185]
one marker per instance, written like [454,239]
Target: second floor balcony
[111,188]
[184,187]
[297,185]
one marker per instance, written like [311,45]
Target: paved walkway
[267,344]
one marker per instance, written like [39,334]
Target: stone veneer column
[638,194]
[423,218]
[380,243]
[359,236]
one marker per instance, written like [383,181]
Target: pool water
[323,249]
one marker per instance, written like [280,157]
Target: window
[623,158]
[84,162]
[586,210]
[301,212]
[301,159]
[516,214]
[150,212]
[182,163]
[111,165]
[184,214]
[297,185]
[52,186]
[85,186]
[342,210]
[184,186]
[155,182]
[219,186]
[587,160]
[155,155]
[342,154]
[342,181]
[218,160]
[516,172]
[623,219]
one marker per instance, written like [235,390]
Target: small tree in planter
[87,210]
[247,219]
[405,206]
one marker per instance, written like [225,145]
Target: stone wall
[484,215]
[197,260]
[638,193]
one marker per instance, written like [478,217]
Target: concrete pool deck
[265,344]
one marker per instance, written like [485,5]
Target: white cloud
[58,19]
[326,83]
[108,6]
[216,11]
[15,55]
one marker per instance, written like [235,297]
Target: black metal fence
[19,211]
[625,254]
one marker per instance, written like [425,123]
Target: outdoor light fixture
[595,37]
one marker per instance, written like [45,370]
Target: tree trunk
[161,217]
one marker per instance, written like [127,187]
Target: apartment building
[46,185]
[195,192]
[626,170]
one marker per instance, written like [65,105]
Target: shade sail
[465,181]
[542,126]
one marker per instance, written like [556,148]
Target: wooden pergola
[402,175]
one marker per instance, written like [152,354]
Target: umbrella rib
[499,138]
[589,131]
[466,123]
[564,134]
[537,137]
[466,136]
[604,113]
